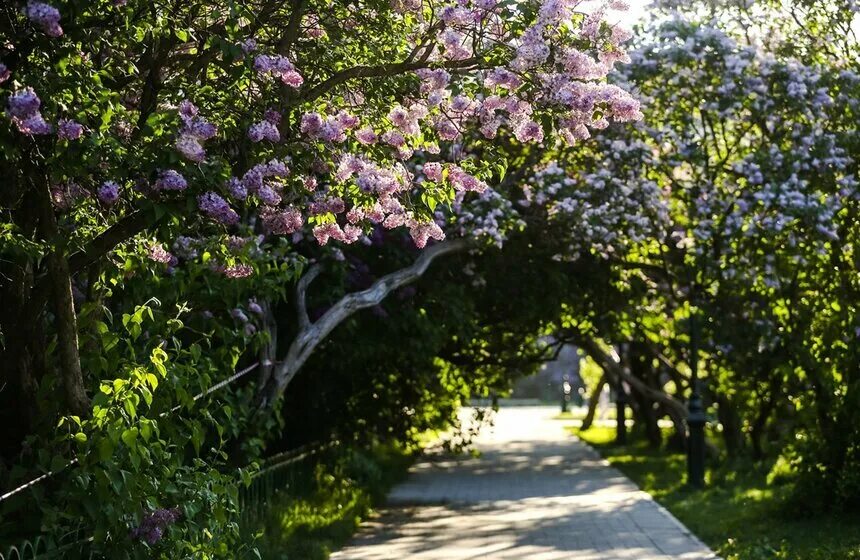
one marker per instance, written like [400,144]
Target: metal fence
[278,474]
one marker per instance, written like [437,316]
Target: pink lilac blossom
[158,253]
[463,181]
[282,222]
[433,171]
[234,271]
[280,67]
[348,234]
[366,136]
[422,232]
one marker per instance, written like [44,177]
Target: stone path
[535,493]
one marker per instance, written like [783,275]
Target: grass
[325,504]
[738,515]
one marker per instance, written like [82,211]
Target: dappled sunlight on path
[534,493]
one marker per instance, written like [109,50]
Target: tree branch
[613,366]
[301,295]
[312,335]
[390,69]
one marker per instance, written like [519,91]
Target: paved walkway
[535,493]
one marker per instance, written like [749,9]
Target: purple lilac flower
[185,247]
[264,130]
[239,315]
[190,148]
[108,193]
[248,45]
[433,171]
[254,307]
[195,130]
[69,129]
[268,195]
[23,103]
[4,73]
[152,528]
[45,16]
[366,136]
[170,180]
[217,208]
[236,189]
[34,124]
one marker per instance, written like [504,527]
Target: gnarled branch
[313,334]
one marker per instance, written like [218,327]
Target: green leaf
[129,437]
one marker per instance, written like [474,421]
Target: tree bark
[66,321]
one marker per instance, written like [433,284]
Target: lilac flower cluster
[69,130]
[254,182]
[281,222]
[108,193]
[217,208]
[4,73]
[195,130]
[280,67]
[346,234]
[234,270]
[328,129]
[153,526]
[170,180]
[23,108]
[158,253]
[46,17]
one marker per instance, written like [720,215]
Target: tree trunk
[65,319]
[593,401]
[731,421]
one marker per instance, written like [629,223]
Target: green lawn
[738,514]
[326,503]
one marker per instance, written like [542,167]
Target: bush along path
[531,492]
